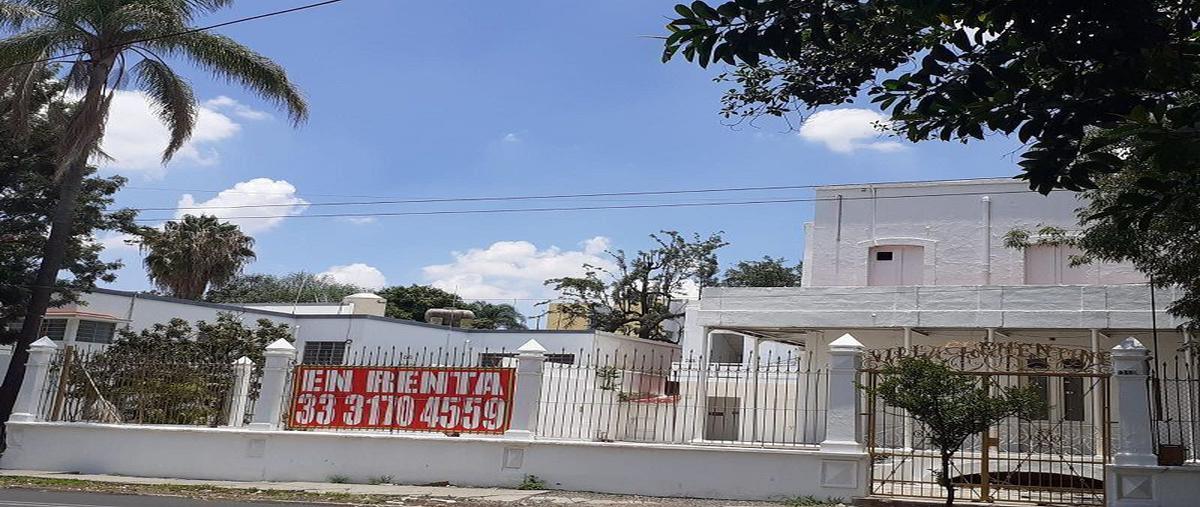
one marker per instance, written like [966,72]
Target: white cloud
[847,130]
[276,199]
[135,137]
[114,242]
[236,108]
[512,137]
[362,275]
[513,269]
[360,220]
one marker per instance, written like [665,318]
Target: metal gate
[1056,458]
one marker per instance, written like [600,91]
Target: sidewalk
[343,494]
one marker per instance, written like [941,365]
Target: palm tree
[188,255]
[113,44]
[490,316]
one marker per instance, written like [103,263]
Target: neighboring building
[557,318]
[326,332]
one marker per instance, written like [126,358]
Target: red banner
[460,400]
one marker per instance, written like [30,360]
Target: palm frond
[228,59]
[172,99]
[15,15]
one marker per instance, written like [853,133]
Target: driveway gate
[1058,457]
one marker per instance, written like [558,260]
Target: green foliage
[811,501]
[262,288]
[188,255]
[28,195]
[382,479]
[410,303]
[495,316]
[1163,246]
[953,406]
[609,377]
[171,373]
[339,479]
[1019,238]
[769,272]
[1050,73]
[637,295]
[532,482]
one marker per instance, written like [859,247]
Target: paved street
[35,498]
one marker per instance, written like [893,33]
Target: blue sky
[457,99]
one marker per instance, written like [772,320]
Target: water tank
[365,303]
[453,317]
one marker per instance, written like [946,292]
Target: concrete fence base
[624,468]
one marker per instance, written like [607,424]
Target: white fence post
[36,369]
[843,418]
[268,411]
[1130,371]
[243,368]
[531,358]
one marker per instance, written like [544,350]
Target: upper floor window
[896,265]
[91,331]
[1051,265]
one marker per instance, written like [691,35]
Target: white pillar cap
[847,343]
[44,343]
[532,347]
[281,346]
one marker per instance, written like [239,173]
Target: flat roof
[924,183]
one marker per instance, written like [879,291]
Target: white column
[243,368]
[531,358]
[843,419]
[268,412]
[909,431]
[36,371]
[1130,371]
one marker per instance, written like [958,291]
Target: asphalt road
[35,498]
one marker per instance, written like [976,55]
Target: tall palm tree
[188,255]
[114,44]
[501,316]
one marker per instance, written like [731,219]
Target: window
[324,352]
[1051,265]
[496,360]
[896,265]
[91,331]
[54,328]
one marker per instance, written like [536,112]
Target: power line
[600,194]
[587,208]
[176,34]
[499,198]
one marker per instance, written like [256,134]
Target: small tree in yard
[952,406]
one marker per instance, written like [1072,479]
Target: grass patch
[811,501]
[196,492]
[532,482]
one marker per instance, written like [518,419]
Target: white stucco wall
[626,468]
[960,224]
[360,331]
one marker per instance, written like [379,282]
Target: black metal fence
[1175,409]
[90,386]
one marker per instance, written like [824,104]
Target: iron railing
[91,386]
[660,398]
[1175,409]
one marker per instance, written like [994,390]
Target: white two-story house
[925,263]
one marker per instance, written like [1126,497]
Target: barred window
[54,328]
[324,352]
[91,331]
[493,359]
